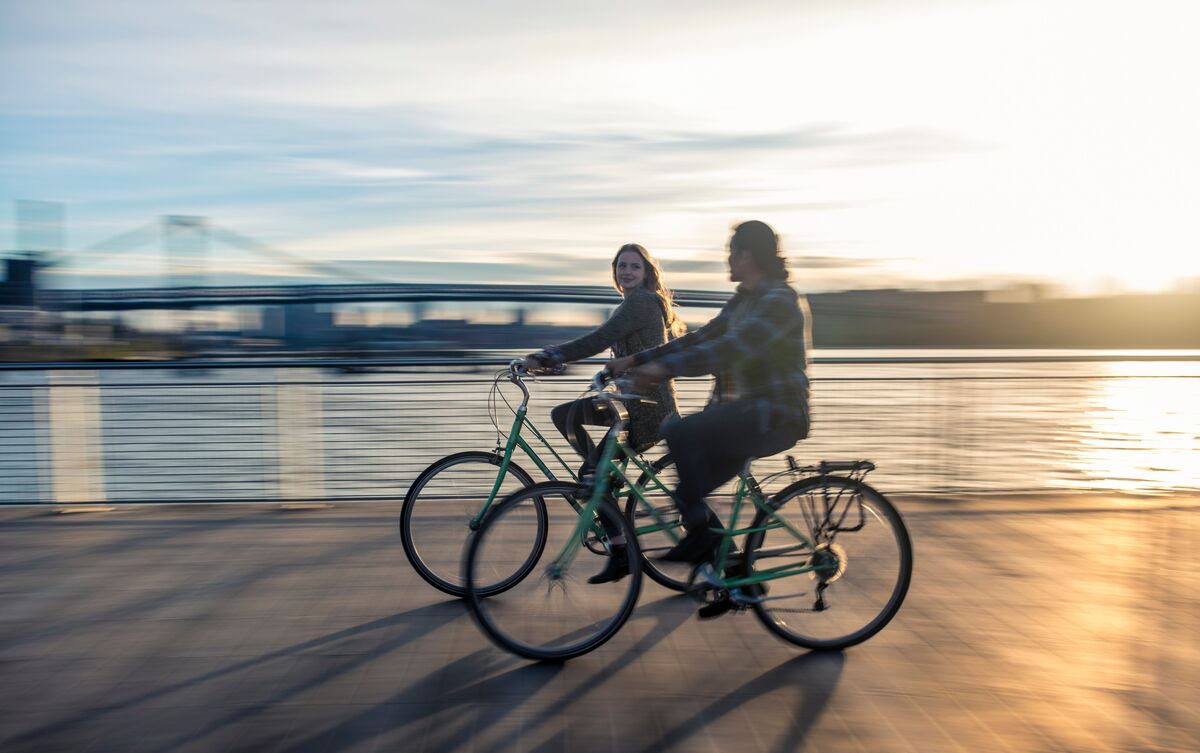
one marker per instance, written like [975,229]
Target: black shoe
[738,570]
[616,568]
[694,548]
[587,470]
[716,609]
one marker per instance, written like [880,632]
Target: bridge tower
[39,238]
[185,240]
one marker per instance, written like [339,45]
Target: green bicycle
[825,563]
[449,500]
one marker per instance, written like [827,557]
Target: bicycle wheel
[861,564]
[658,525]
[438,508]
[553,614]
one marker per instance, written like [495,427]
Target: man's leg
[708,448]
[696,443]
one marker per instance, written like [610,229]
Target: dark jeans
[711,447]
[570,418]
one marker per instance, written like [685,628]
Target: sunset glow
[918,143]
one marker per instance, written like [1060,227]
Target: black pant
[569,419]
[711,447]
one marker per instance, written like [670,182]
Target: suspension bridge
[186,244]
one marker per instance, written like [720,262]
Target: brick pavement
[1057,624]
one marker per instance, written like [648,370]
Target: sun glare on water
[1145,433]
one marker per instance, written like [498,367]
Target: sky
[891,143]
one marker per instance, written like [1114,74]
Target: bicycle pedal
[717,608]
[705,573]
[743,599]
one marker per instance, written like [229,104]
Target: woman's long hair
[654,283]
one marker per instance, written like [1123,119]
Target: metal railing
[330,431]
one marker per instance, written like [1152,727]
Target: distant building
[17,289]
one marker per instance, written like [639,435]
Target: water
[1113,424]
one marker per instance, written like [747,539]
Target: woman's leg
[569,419]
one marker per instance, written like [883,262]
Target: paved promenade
[1055,624]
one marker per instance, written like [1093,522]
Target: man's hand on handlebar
[649,375]
[619,365]
[644,377]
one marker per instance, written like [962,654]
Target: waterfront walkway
[1047,624]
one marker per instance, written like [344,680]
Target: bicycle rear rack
[825,467]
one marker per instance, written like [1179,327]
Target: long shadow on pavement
[520,683]
[443,613]
[817,673]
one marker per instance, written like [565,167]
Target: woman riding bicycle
[644,320]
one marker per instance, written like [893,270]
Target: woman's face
[631,270]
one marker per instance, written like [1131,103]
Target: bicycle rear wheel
[858,555]
[553,614]
[437,511]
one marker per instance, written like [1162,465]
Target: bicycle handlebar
[624,387]
[600,383]
[601,380]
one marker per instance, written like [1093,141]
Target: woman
[644,320]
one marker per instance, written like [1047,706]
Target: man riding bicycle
[758,349]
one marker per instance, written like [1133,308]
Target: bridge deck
[1033,625]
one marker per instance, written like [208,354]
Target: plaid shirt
[757,347]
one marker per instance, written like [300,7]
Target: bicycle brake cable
[492,408]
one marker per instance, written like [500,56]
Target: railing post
[76,438]
[298,410]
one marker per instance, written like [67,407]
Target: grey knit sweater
[637,324]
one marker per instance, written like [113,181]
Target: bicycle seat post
[748,477]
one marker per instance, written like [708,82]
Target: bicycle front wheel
[438,510]
[554,613]
[844,561]
[656,520]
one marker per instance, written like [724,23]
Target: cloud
[929,139]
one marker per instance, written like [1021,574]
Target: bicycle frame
[517,441]
[616,456]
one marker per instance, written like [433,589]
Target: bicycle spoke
[554,613]
[845,584]
[438,509]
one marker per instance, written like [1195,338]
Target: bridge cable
[119,243]
[237,240]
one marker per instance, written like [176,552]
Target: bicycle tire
[857,577]
[668,575]
[550,616]
[433,548]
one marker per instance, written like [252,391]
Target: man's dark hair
[760,240]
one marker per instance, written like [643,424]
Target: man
[758,349]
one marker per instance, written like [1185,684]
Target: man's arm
[690,340]
[773,318]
